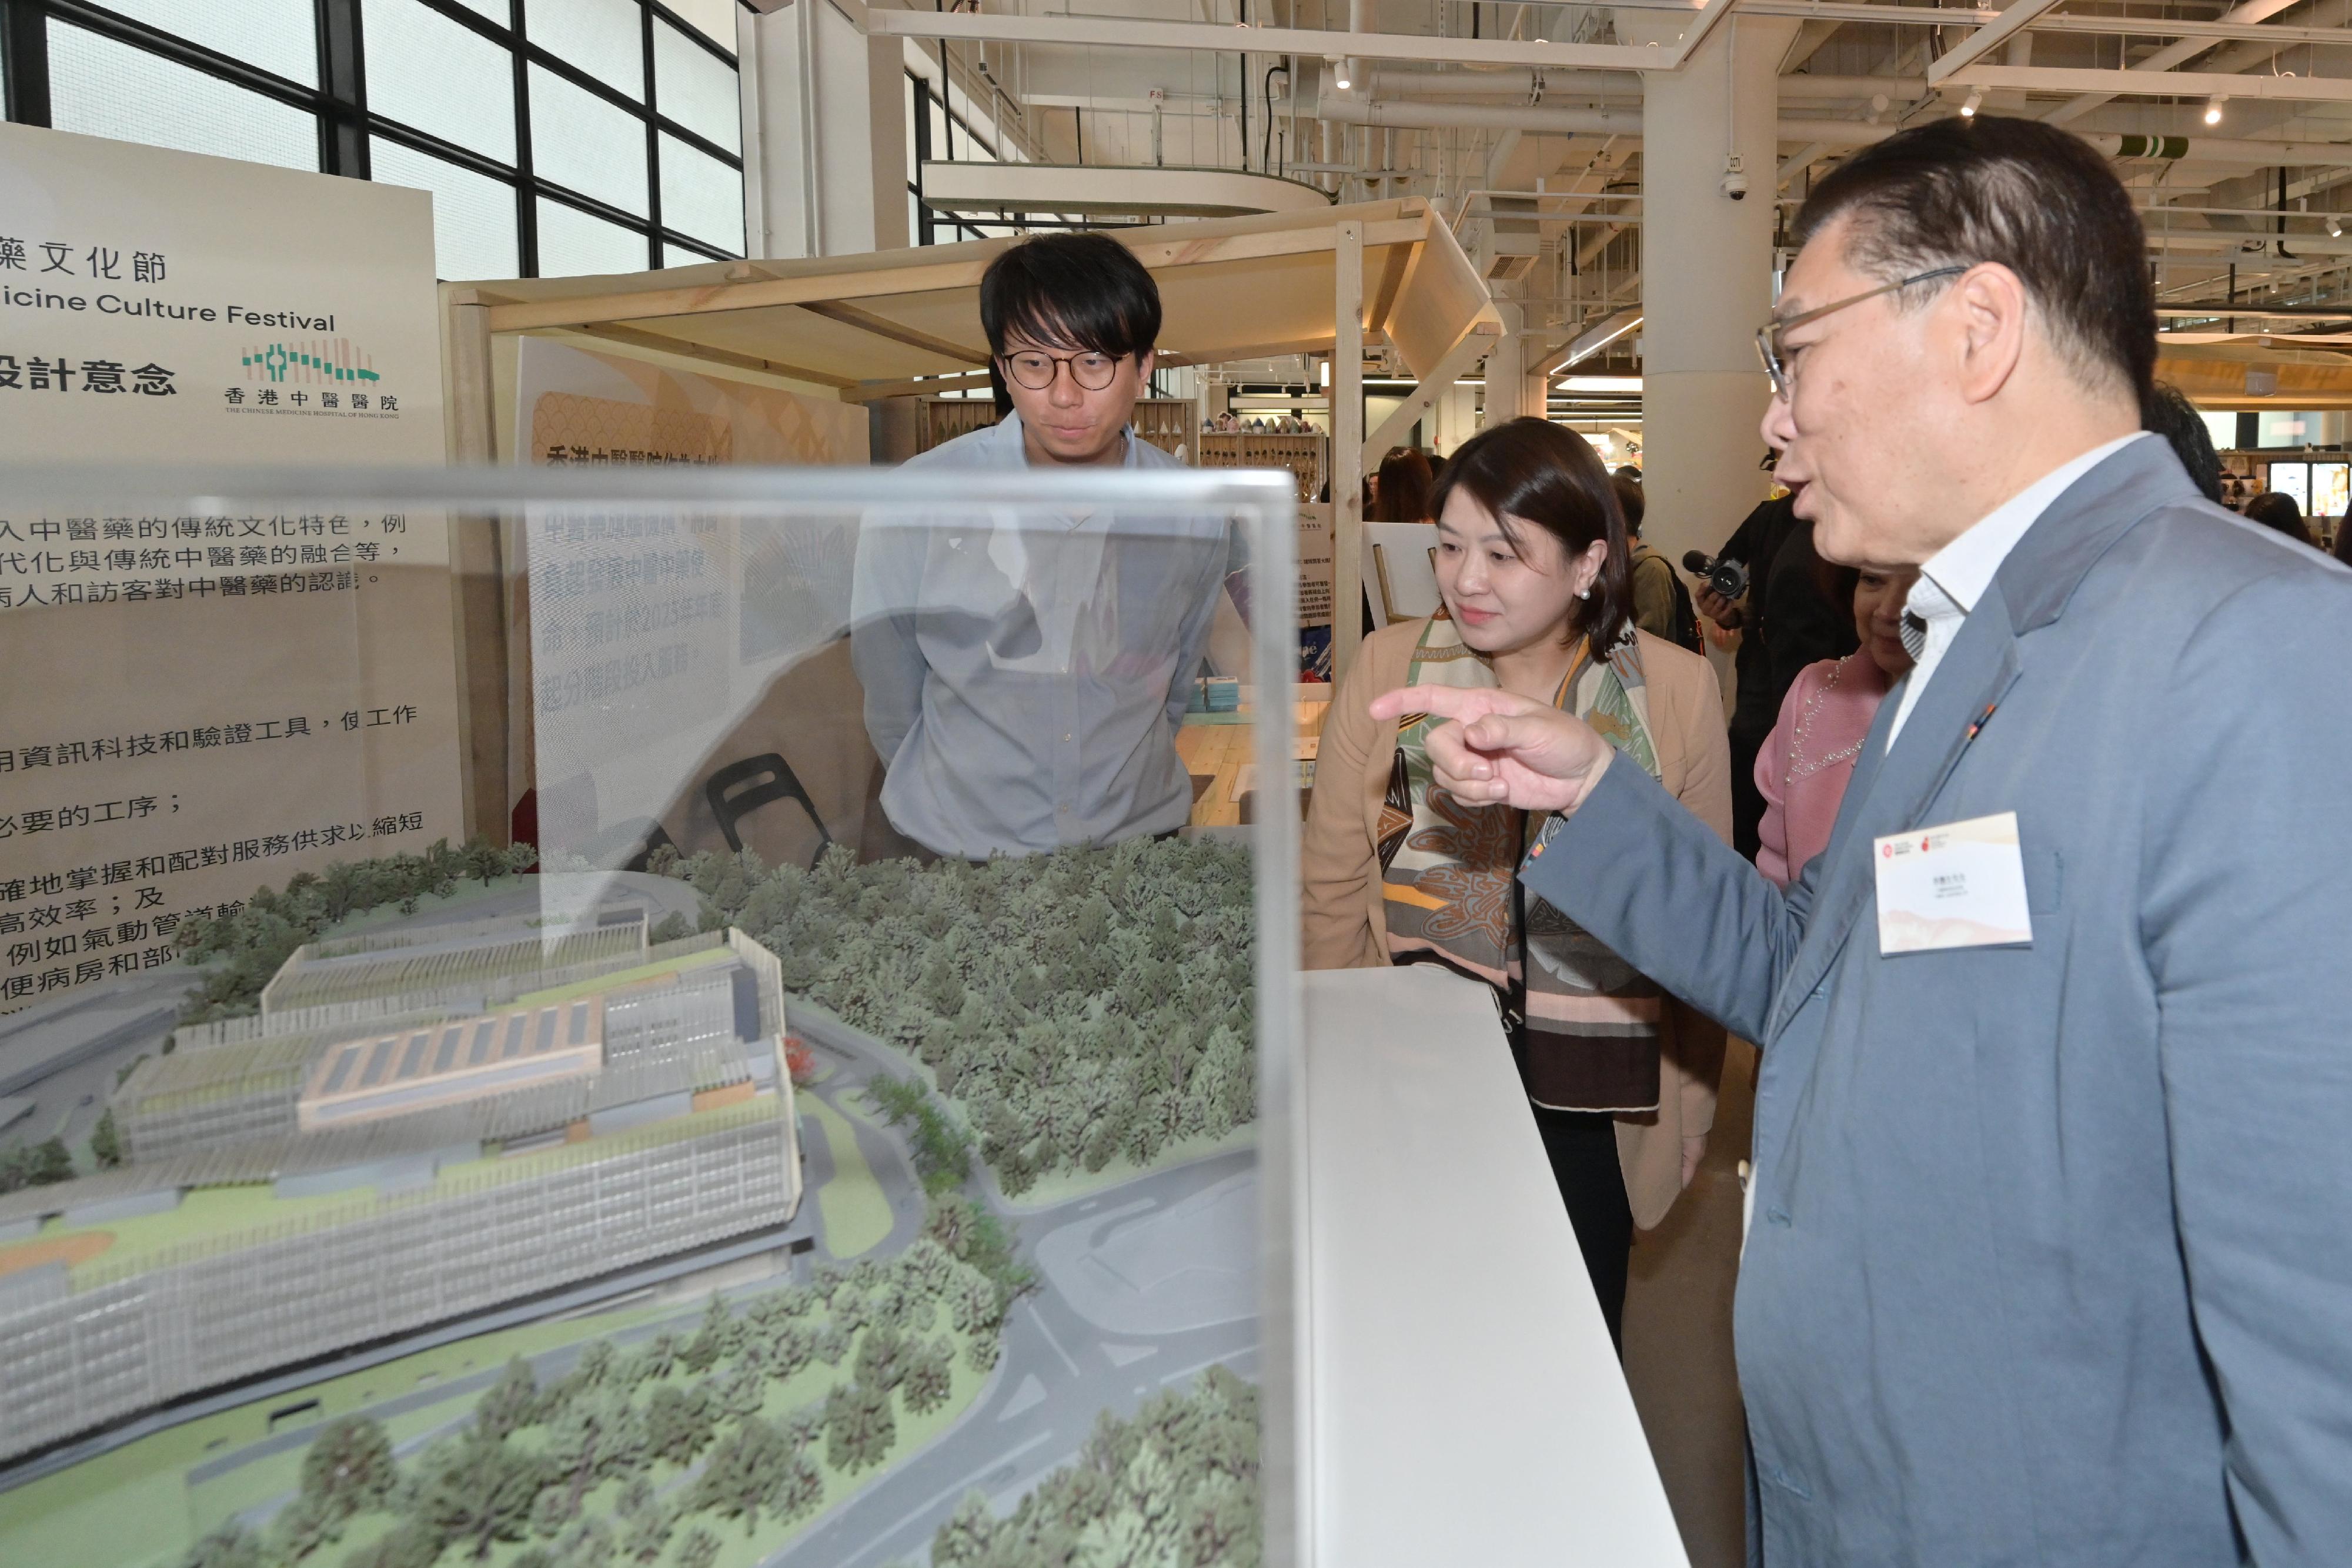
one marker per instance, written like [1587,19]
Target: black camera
[1727,577]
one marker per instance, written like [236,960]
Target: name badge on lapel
[1959,885]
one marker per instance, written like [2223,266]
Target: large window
[557,136]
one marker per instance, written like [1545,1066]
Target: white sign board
[201,705]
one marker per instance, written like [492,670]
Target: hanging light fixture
[1974,101]
[2213,108]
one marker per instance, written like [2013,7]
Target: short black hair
[1531,470]
[2030,196]
[2166,410]
[1081,291]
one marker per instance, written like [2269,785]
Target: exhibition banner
[200,705]
[656,639]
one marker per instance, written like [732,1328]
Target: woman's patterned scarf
[1450,873]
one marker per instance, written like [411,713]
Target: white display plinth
[1465,1405]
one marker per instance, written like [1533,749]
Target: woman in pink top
[1805,763]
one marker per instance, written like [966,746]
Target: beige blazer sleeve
[1338,858]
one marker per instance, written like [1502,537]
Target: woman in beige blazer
[1533,569]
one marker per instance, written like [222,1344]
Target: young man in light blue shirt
[1022,685]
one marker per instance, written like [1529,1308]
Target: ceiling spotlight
[1974,101]
[1343,74]
[2334,226]
[2213,109]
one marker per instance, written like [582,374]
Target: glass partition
[648,1014]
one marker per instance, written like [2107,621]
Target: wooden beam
[886,274]
[687,348]
[1347,448]
[472,419]
[873,391]
[1400,261]
[883,326]
[1476,343]
[1174,358]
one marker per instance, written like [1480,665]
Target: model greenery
[36,1165]
[245,944]
[641,1456]
[1176,1486]
[1080,1008]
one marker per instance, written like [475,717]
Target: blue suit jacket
[2051,1256]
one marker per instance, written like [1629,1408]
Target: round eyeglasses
[1036,370]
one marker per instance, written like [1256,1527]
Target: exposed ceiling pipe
[1352,69]
[2242,154]
[1425,81]
[1566,121]
[1484,116]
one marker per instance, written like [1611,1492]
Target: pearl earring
[1584,593]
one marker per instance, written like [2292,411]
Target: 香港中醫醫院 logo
[313,375]
[331,361]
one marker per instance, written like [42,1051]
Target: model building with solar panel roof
[418,1127]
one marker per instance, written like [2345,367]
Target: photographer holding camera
[1787,621]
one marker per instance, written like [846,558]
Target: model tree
[929,1377]
[881,1358]
[44,1163]
[105,1142]
[747,1472]
[595,1435]
[473,1491]
[699,1549]
[677,1424]
[230,1546]
[646,1530]
[349,1470]
[860,1427]
[512,1403]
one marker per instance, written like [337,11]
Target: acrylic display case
[648,1015]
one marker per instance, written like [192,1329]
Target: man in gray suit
[2051,1251]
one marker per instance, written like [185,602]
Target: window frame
[338,103]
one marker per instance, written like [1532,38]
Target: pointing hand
[1499,747]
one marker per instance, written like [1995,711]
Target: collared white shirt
[1956,576]
[1024,673]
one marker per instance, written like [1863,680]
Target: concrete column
[825,165]
[1707,275]
[1505,362]
[1515,384]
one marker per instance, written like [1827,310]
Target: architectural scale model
[467,1242]
[416,1127]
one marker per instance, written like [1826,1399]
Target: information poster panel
[638,658]
[202,704]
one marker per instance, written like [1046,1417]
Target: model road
[1140,1286]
